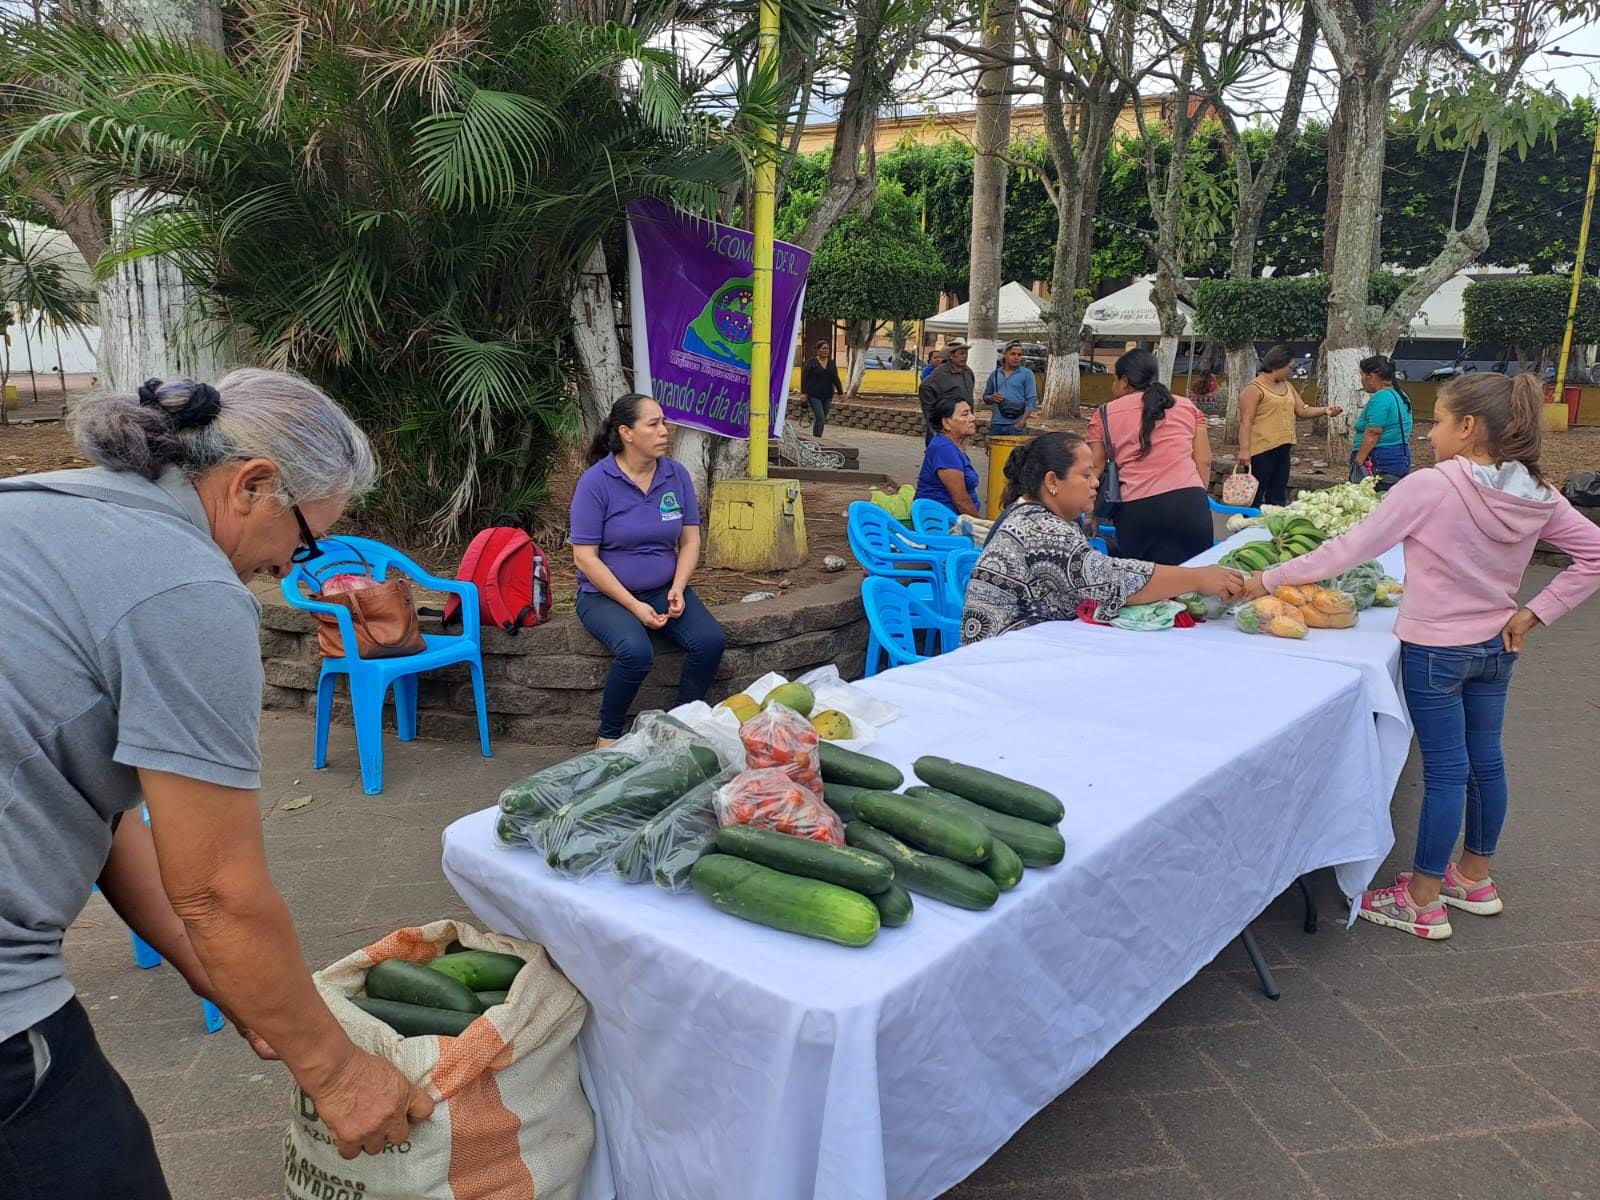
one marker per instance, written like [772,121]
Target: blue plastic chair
[370,679]
[1228,510]
[886,548]
[895,617]
[931,517]
[957,574]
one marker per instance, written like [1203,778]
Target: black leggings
[1271,469]
[1169,529]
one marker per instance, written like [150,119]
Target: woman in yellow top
[1268,407]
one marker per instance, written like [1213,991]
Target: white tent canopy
[1131,313]
[1443,314]
[1020,315]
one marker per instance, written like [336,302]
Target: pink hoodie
[1467,545]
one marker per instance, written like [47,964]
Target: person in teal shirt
[1383,426]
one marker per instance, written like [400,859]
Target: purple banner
[693,298]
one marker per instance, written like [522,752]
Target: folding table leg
[1311,905]
[1269,985]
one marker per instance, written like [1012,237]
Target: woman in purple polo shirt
[636,540]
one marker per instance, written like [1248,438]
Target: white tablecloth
[1370,647]
[732,1062]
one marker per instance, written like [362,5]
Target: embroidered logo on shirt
[671,510]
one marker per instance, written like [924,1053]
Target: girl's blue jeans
[1457,698]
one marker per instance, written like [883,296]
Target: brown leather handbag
[383,614]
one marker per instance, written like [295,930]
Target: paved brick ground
[1390,1066]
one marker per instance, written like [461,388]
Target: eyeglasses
[308,541]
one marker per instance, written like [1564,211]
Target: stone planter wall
[892,418]
[544,684]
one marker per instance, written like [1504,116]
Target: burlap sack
[511,1121]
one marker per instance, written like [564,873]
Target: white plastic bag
[510,1119]
[867,713]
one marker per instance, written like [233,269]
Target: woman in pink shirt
[1163,459]
[1469,526]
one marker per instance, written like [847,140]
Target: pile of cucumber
[962,837]
[442,997]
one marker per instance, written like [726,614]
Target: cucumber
[1037,845]
[1003,866]
[894,906]
[541,793]
[807,906]
[685,819]
[412,983]
[990,789]
[926,874]
[841,798]
[926,827]
[672,872]
[490,999]
[480,970]
[415,1020]
[862,770]
[858,870]
[587,831]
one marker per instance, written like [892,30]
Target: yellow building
[1027,121]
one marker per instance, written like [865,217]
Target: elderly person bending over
[1037,565]
[130,670]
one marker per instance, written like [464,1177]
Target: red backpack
[511,574]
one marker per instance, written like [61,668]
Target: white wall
[78,358]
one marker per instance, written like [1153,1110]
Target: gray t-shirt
[127,642]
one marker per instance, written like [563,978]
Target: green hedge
[1530,312]
[1236,311]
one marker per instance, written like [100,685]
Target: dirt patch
[29,449]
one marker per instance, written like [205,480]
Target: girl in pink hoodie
[1469,526]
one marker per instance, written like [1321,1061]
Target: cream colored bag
[511,1121]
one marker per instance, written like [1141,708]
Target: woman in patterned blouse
[1037,565]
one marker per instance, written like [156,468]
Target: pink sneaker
[1393,906]
[1482,898]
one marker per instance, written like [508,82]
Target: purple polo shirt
[637,532]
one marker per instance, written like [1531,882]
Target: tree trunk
[989,189]
[1061,380]
[594,334]
[149,327]
[148,314]
[1241,370]
[857,336]
[1365,103]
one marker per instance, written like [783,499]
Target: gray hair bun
[191,405]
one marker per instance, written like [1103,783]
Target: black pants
[1169,529]
[1271,469]
[819,406]
[69,1127]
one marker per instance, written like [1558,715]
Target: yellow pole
[1577,268]
[766,184]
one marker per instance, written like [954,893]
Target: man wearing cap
[950,380]
[1010,392]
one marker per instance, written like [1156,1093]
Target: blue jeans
[1457,697]
[696,632]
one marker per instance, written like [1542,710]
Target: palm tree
[37,284]
[393,198]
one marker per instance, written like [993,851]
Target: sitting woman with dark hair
[1037,566]
[636,541]
[947,474]
[1383,426]
[1163,455]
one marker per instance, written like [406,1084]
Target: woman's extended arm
[1168,582]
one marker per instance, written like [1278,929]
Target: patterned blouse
[1037,567]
